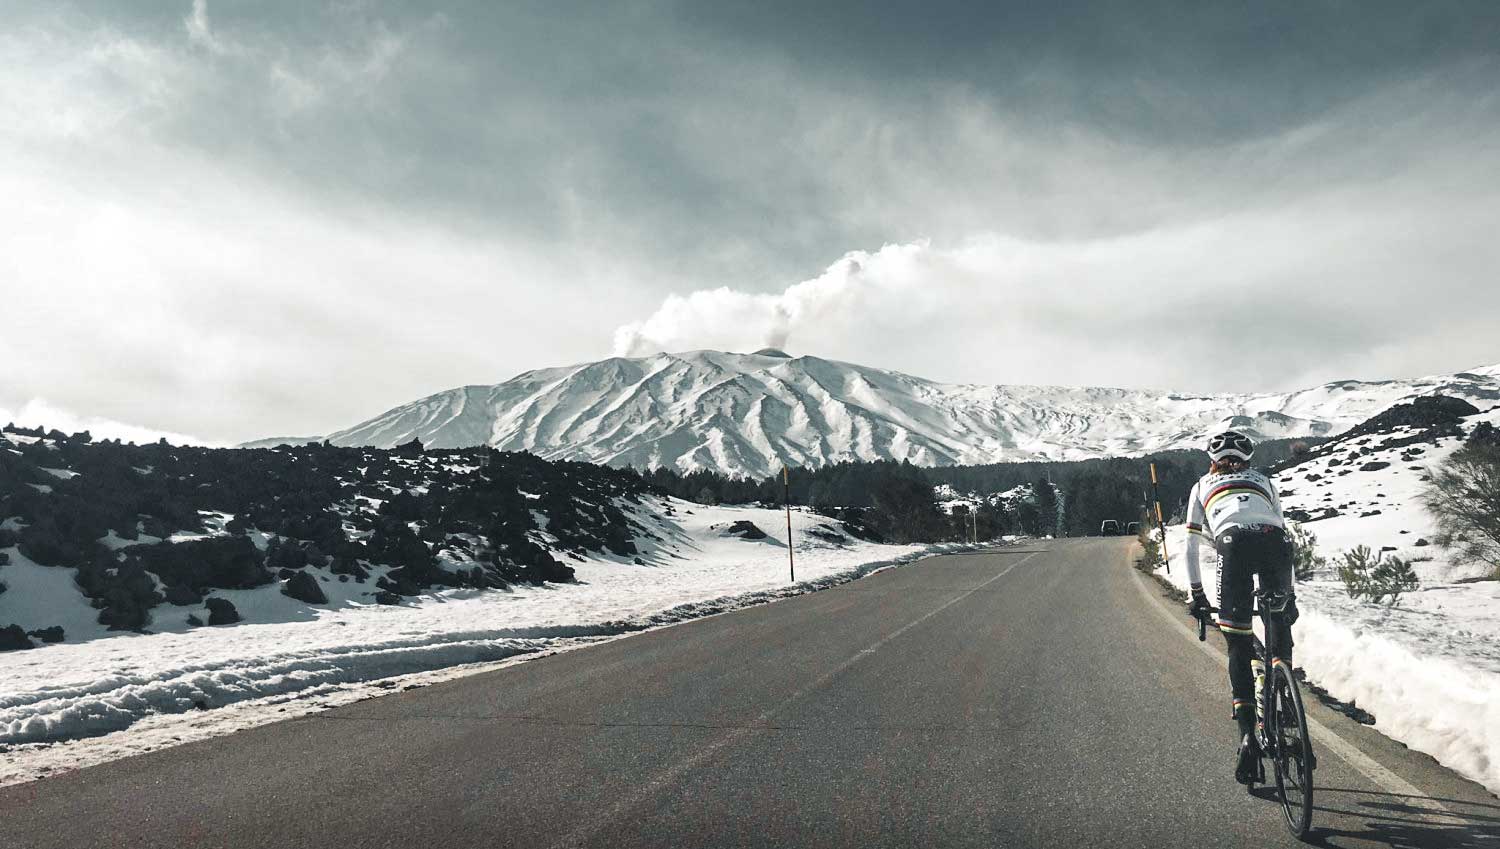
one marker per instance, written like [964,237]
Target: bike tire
[1291,752]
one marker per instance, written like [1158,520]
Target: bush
[1151,549]
[1376,577]
[1306,561]
[1464,497]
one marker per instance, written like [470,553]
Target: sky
[231,220]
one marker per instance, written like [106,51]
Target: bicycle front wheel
[1291,750]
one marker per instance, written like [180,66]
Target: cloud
[235,223]
[152,281]
[741,320]
[1270,300]
[198,29]
[38,412]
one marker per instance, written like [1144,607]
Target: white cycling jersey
[1220,502]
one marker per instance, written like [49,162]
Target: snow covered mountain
[748,414]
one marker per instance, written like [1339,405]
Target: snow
[109,695]
[749,414]
[1427,668]
[40,596]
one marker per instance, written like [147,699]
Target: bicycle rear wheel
[1291,750]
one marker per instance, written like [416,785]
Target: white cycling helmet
[1230,444]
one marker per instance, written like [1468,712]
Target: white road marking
[1326,737]
[597,824]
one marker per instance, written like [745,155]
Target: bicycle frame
[1270,605]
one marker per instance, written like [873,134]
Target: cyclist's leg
[1275,569]
[1236,602]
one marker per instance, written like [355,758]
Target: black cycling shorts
[1244,552]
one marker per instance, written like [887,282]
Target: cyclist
[1236,509]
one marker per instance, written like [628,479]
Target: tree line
[897,499]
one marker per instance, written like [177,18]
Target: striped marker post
[1160,524]
[786,500]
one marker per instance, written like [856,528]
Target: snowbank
[109,685]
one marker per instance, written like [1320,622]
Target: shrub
[1485,433]
[1464,497]
[1375,577]
[1150,547]
[1306,561]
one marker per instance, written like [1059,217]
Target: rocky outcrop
[304,587]
[221,611]
[13,638]
[54,634]
[745,529]
[183,596]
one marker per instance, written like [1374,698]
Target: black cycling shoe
[1248,769]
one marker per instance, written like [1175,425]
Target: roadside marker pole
[786,500]
[1160,524]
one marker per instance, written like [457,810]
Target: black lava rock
[349,566]
[53,634]
[126,612]
[745,529]
[13,638]
[221,611]
[400,586]
[1427,412]
[1374,466]
[304,587]
[183,596]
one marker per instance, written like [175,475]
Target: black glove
[1289,614]
[1199,608]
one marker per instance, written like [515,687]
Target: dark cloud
[403,198]
[1169,72]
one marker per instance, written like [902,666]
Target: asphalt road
[1034,696]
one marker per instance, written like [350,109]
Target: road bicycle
[1281,726]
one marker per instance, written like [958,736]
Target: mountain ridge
[748,414]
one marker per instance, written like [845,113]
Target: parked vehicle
[1109,528]
[1133,529]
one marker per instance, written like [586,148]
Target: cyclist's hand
[1199,607]
[1290,614]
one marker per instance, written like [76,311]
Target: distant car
[1133,529]
[1109,528]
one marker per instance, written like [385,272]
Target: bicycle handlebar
[1203,623]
